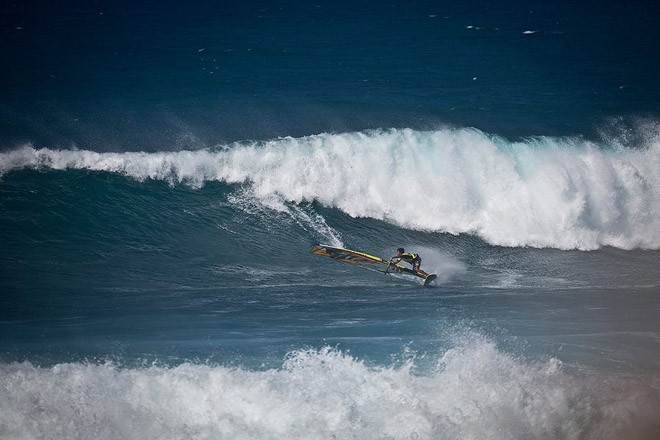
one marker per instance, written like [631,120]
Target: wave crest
[542,192]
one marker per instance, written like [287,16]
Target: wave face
[543,192]
[475,391]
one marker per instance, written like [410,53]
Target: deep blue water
[166,75]
[165,168]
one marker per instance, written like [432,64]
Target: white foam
[476,392]
[543,192]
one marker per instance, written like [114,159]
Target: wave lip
[542,192]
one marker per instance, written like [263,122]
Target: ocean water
[166,167]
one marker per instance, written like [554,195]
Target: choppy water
[159,197]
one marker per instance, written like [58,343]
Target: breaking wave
[542,192]
[474,391]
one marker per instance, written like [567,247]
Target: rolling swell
[543,192]
[81,224]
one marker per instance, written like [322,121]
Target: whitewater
[475,391]
[565,193]
[161,188]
